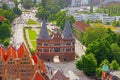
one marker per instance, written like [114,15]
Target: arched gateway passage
[56,59]
[0,78]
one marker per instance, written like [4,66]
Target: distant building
[109,2]
[60,46]
[78,3]
[95,2]
[81,26]
[11,4]
[97,16]
[108,19]
[67,3]
[18,65]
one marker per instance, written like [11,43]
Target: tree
[5,6]
[114,65]
[52,8]
[34,1]
[4,31]
[87,21]
[42,14]
[60,3]
[27,4]
[114,23]
[88,64]
[6,42]
[116,52]
[16,2]
[72,19]
[52,17]
[118,40]
[92,34]
[43,3]
[91,8]
[49,2]
[17,11]
[99,69]
[101,49]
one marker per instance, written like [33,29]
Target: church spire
[67,30]
[44,33]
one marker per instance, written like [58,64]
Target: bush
[6,42]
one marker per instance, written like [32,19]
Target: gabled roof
[59,75]
[22,50]
[38,76]
[2,51]
[44,32]
[34,57]
[80,26]
[42,66]
[2,18]
[67,33]
[11,51]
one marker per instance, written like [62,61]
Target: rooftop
[80,26]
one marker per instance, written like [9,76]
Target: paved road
[17,27]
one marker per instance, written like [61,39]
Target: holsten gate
[58,45]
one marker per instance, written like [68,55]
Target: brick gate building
[58,45]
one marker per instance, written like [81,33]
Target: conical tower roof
[67,33]
[44,32]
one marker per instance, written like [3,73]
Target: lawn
[34,44]
[31,22]
[32,36]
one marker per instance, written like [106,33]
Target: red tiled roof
[11,51]
[42,67]
[2,51]
[38,76]
[80,26]
[2,18]
[22,50]
[34,57]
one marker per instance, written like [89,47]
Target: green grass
[31,22]
[32,34]
[34,44]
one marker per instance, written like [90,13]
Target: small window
[48,60]
[68,43]
[65,59]
[45,44]
[68,49]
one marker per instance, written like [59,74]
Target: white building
[77,3]
[117,18]
[108,19]
[97,16]
[11,4]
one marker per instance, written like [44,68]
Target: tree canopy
[88,64]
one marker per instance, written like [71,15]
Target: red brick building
[61,46]
[17,64]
